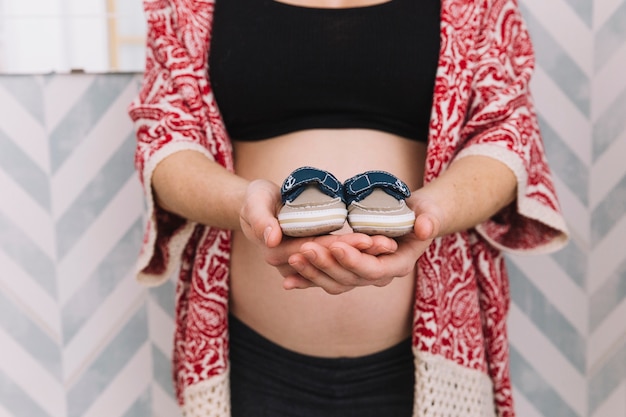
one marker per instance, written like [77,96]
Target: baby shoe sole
[312,223]
[382,225]
[312,213]
[381,214]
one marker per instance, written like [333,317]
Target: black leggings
[268,380]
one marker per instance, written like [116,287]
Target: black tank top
[276,68]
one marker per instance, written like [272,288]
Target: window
[39,36]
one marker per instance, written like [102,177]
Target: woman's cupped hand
[337,262]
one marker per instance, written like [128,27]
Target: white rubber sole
[312,222]
[388,225]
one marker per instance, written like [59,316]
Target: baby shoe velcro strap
[362,185]
[295,183]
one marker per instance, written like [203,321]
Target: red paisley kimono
[481,106]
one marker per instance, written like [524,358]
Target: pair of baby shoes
[316,203]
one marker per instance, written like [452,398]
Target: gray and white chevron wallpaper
[79,338]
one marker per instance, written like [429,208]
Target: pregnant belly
[310,321]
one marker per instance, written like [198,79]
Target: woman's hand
[339,266]
[260,225]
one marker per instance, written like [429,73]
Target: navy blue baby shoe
[376,204]
[312,203]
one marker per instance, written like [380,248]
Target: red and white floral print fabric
[481,106]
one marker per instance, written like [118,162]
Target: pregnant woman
[240,93]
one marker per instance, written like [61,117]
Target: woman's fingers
[382,268]
[381,245]
[371,269]
[426,226]
[326,283]
[295,281]
[317,265]
[258,214]
[321,266]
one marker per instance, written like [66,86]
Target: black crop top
[277,68]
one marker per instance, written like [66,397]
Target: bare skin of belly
[311,321]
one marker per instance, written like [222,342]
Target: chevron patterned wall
[568,317]
[79,338]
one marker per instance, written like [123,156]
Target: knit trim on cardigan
[444,388]
[209,398]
